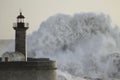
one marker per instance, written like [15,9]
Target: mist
[84,45]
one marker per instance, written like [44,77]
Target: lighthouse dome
[20,16]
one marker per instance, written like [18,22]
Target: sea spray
[84,45]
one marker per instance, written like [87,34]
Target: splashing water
[84,45]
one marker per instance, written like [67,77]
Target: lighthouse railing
[25,24]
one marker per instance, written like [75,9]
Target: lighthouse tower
[20,34]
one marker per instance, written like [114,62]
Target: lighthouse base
[36,69]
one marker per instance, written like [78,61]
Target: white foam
[83,45]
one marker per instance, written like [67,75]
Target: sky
[37,11]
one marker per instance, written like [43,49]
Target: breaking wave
[84,45]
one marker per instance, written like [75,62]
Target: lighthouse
[17,66]
[20,34]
